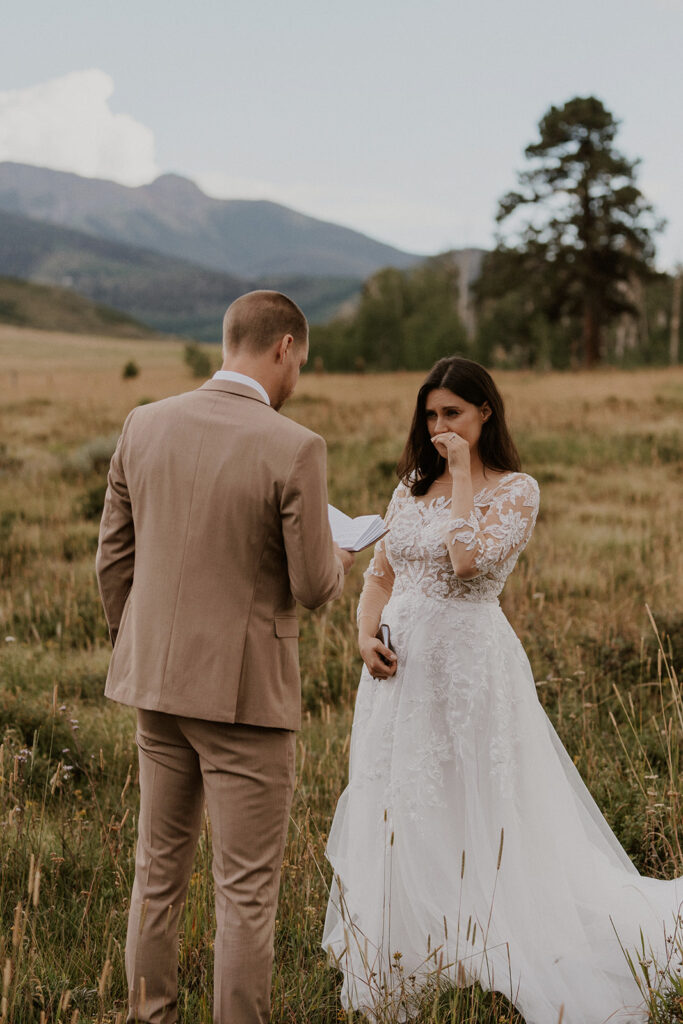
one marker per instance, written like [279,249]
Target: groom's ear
[283,348]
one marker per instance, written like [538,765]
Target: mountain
[241,237]
[174,296]
[171,295]
[58,309]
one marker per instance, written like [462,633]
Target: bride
[466,846]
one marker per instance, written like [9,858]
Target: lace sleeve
[378,577]
[502,531]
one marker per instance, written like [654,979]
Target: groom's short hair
[258,319]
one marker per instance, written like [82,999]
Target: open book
[355,534]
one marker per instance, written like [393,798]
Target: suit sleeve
[316,574]
[115,558]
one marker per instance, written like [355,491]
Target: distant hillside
[171,295]
[244,238]
[58,309]
[174,296]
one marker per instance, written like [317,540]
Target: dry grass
[606,448]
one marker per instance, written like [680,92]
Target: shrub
[130,370]
[90,505]
[92,457]
[198,361]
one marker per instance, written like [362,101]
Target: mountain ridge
[168,294]
[250,238]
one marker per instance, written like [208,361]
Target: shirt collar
[241,378]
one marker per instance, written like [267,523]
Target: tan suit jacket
[214,525]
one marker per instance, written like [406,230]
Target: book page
[355,534]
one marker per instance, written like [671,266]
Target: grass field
[606,450]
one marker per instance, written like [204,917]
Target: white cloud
[66,124]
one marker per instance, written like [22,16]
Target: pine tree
[579,229]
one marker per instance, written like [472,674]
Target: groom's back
[218,483]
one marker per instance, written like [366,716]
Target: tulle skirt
[467,848]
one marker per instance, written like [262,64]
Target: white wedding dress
[448,757]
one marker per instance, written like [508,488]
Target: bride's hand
[370,650]
[453,447]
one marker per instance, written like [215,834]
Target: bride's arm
[379,583]
[476,545]
[377,588]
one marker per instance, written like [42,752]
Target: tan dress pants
[246,775]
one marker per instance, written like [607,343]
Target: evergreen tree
[405,320]
[579,229]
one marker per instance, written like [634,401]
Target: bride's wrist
[461,475]
[364,638]
[367,626]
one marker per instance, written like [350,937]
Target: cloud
[66,124]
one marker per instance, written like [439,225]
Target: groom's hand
[347,558]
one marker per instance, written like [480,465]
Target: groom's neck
[258,367]
[250,366]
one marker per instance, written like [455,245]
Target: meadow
[597,600]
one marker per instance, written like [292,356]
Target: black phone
[384,634]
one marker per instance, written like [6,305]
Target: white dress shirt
[241,378]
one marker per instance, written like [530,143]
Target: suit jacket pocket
[286,626]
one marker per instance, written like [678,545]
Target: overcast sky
[405,119]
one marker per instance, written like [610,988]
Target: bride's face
[446,412]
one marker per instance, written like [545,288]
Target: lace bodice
[414,554]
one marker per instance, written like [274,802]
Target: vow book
[355,534]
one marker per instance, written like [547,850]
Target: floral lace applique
[505,528]
[415,554]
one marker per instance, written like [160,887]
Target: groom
[214,525]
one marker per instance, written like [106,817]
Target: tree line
[571,280]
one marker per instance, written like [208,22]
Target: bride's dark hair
[420,464]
